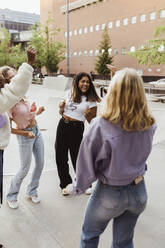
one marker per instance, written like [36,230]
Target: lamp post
[67,38]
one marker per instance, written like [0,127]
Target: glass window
[117,23]
[152,16]
[91,29]
[116,51]
[80,31]
[85,52]
[70,33]
[125,21]
[97,27]
[142,18]
[140,72]
[110,50]
[161,48]
[91,52]
[149,69]
[75,32]
[96,52]
[65,34]
[79,53]
[103,26]
[75,54]
[103,50]
[110,25]
[158,70]
[162,13]
[123,50]
[85,30]
[132,49]
[133,20]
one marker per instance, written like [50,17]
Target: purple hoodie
[112,155]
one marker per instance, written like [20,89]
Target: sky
[31,6]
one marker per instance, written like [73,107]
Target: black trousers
[1,176]
[68,139]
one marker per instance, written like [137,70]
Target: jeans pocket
[141,194]
[109,196]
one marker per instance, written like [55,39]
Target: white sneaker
[88,191]
[66,191]
[13,204]
[34,198]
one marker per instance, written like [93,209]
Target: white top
[76,110]
[10,95]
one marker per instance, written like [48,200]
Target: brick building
[129,23]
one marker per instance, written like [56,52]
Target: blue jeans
[28,146]
[1,176]
[123,204]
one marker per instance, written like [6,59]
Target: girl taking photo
[80,105]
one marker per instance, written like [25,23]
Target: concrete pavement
[56,221]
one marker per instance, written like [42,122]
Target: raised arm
[16,89]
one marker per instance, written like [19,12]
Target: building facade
[130,24]
[18,24]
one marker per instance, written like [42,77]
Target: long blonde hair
[126,102]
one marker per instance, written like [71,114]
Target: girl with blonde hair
[114,152]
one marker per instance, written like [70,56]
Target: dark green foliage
[153,52]
[104,58]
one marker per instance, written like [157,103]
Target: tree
[4,47]
[152,53]
[104,58]
[49,51]
[10,55]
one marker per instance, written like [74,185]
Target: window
[123,50]
[161,48]
[158,70]
[132,49]
[90,52]
[75,32]
[80,53]
[102,51]
[149,69]
[162,13]
[85,30]
[110,25]
[85,52]
[125,21]
[133,20]
[70,33]
[96,52]
[117,23]
[80,31]
[140,72]
[110,50]
[103,26]
[97,27]
[152,16]
[142,18]
[116,51]
[65,34]
[75,54]
[91,29]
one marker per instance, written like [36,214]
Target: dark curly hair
[76,93]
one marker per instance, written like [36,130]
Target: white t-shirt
[76,110]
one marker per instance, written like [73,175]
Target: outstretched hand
[31,54]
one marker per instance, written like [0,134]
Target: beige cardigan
[10,95]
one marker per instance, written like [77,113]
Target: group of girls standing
[113,151]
